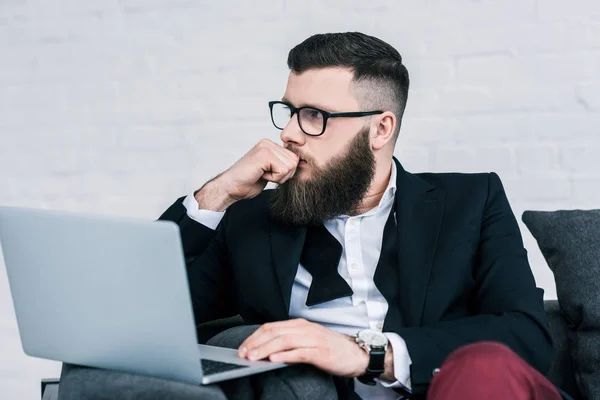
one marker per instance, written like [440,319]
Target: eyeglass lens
[310,119]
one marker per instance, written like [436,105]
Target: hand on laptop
[265,162]
[300,341]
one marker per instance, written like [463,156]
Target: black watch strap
[376,366]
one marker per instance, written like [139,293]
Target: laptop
[110,293]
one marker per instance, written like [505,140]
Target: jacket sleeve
[208,268]
[507,306]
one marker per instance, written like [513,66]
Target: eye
[312,114]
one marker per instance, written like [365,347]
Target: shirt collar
[389,194]
[390,191]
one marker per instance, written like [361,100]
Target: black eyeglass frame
[326,115]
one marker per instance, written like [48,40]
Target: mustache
[301,154]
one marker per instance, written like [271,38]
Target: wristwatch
[375,343]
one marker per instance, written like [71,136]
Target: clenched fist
[265,162]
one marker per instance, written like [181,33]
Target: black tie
[321,256]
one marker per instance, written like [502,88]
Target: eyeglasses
[312,120]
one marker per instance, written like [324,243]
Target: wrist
[362,361]
[213,196]
[389,365]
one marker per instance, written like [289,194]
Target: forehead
[327,88]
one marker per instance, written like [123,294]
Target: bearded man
[377,282]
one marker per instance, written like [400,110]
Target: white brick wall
[118,107]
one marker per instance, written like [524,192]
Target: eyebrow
[286,100]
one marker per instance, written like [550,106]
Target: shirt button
[353,222]
[435,371]
[379,326]
[354,266]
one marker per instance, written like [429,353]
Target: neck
[376,189]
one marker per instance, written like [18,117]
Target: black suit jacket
[462,274]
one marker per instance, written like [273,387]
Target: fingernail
[243,351]
[253,354]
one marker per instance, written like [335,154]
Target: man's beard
[336,189]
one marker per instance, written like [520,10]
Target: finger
[267,331]
[260,337]
[285,152]
[282,343]
[279,178]
[304,355]
[287,156]
[289,159]
[275,169]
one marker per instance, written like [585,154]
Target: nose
[292,134]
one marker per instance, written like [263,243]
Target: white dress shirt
[361,239]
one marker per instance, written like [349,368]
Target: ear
[383,130]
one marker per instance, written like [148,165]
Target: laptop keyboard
[210,367]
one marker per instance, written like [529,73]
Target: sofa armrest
[561,371]
[50,389]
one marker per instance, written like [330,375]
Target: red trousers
[489,370]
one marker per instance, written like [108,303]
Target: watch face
[373,338]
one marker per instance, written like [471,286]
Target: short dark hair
[382,80]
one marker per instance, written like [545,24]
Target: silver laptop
[110,293]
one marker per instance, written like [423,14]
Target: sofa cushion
[561,370]
[570,243]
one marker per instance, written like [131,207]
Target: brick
[585,193]
[486,129]
[559,69]
[474,159]
[414,158]
[471,13]
[429,74]
[482,101]
[432,131]
[422,102]
[548,127]
[575,10]
[550,37]
[581,158]
[537,160]
[589,96]
[506,69]
[485,70]
[554,189]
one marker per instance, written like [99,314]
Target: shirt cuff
[208,218]
[402,363]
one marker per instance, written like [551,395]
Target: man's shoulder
[466,189]
[457,181]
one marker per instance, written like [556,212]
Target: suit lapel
[286,249]
[419,214]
